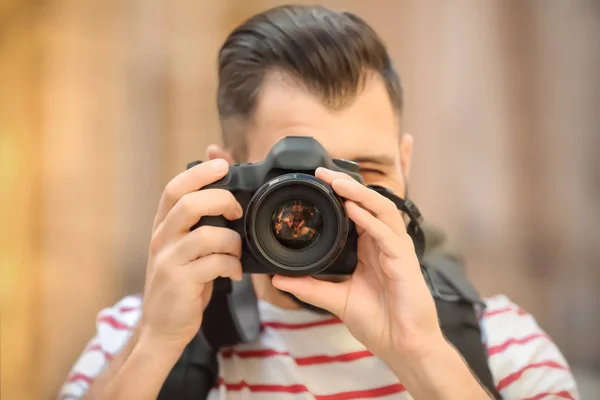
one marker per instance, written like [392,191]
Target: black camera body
[294,224]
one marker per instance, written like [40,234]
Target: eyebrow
[383,160]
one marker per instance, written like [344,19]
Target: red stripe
[281,325]
[330,359]
[521,341]
[357,394]
[491,313]
[219,383]
[564,394]
[364,394]
[310,360]
[98,347]
[236,387]
[516,375]
[108,319]
[80,377]
[128,309]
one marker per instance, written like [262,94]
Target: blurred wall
[101,103]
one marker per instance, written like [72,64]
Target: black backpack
[232,317]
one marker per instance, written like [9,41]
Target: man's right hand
[182,264]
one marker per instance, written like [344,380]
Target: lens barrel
[296,224]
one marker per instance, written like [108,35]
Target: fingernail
[219,165]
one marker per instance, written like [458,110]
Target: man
[308,71]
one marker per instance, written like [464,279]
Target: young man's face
[367,131]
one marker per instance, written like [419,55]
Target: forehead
[368,127]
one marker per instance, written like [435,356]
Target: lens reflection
[296,224]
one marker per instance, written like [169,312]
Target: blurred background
[102,102]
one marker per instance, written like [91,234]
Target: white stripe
[497,302]
[500,329]
[72,389]
[111,339]
[328,340]
[90,363]
[368,373]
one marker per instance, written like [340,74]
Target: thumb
[327,295]
[213,151]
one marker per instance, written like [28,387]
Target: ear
[213,151]
[406,151]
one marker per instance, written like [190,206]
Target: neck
[267,292]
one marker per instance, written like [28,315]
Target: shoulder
[523,359]
[506,326]
[114,326]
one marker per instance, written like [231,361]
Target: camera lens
[296,224]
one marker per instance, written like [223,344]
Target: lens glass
[296,224]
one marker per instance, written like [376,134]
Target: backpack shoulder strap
[230,318]
[194,374]
[458,305]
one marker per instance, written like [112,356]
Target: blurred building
[102,102]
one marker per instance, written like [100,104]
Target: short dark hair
[329,52]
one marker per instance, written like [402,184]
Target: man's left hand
[386,303]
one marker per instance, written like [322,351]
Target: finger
[208,268]
[213,151]
[385,238]
[193,206]
[207,240]
[383,208]
[189,181]
[327,295]
[329,176]
[349,188]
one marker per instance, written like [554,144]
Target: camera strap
[409,208]
[456,299]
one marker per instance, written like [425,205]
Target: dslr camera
[294,224]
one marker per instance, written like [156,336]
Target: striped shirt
[302,355]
